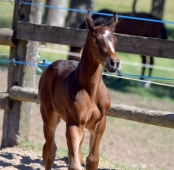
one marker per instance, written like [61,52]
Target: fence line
[122,61]
[46,63]
[85,11]
[98,13]
[153,117]
[144,81]
[76,37]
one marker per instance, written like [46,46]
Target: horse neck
[88,72]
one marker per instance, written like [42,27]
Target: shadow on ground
[19,161]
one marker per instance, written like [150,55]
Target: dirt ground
[125,142]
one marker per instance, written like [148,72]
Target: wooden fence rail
[153,117]
[77,37]
[7,37]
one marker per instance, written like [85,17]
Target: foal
[131,27]
[74,91]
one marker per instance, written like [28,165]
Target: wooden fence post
[16,122]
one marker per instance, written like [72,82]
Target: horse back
[56,72]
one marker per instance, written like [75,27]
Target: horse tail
[163,32]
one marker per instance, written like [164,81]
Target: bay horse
[131,27]
[75,92]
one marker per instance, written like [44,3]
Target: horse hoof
[147,84]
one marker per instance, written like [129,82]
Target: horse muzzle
[112,65]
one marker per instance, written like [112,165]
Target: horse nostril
[118,64]
[112,62]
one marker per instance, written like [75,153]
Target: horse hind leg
[50,122]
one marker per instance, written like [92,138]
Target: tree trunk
[158,8]
[55,17]
[74,19]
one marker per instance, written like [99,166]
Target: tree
[55,17]
[74,19]
[158,8]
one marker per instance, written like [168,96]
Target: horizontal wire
[122,61]
[145,81]
[147,66]
[146,77]
[93,12]
[46,63]
[98,13]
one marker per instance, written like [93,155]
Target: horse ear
[89,22]
[112,22]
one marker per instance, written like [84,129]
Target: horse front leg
[74,135]
[143,67]
[140,83]
[151,62]
[95,138]
[50,122]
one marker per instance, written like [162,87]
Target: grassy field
[6,12]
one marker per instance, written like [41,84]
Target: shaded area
[26,162]
[19,161]
[129,86]
[170,33]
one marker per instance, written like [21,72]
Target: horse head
[103,42]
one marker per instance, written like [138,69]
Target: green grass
[142,6]
[130,69]
[125,86]
[6,14]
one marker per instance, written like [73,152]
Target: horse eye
[96,40]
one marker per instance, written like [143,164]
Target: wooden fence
[23,38]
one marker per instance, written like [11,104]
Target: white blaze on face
[111,47]
[106,33]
